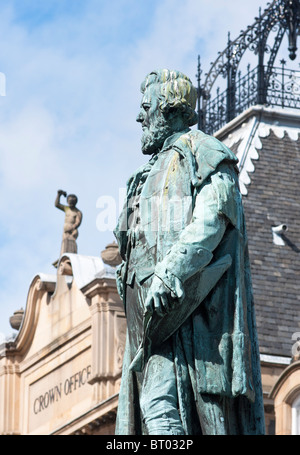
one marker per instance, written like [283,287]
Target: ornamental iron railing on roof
[283,90]
[266,84]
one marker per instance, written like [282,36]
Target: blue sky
[73,70]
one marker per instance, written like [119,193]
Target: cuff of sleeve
[170,281]
[184,263]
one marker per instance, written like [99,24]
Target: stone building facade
[61,374]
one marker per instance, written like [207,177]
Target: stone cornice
[288,116]
[99,285]
[101,413]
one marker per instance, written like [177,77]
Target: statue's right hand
[159,298]
[61,192]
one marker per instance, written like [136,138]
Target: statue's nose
[140,117]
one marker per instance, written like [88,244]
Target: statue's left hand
[159,297]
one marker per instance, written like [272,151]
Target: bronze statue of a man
[73,218]
[191,364]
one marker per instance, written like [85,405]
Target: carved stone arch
[284,392]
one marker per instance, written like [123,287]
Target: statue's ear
[172,113]
[177,116]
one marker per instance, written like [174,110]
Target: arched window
[296,416]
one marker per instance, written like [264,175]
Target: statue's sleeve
[120,279]
[215,206]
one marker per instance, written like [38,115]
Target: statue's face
[156,128]
[72,201]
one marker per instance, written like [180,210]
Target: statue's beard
[155,135]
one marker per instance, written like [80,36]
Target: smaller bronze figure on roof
[73,218]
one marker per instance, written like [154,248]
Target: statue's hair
[176,93]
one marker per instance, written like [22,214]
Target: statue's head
[72,200]
[168,106]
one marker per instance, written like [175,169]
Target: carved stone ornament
[65,268]
[111,255]
[16,319]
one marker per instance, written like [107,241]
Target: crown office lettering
[54,394]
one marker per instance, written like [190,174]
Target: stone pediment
[55,304]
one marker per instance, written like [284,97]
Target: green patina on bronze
[191,364]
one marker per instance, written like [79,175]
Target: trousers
[159,402]
[158,396]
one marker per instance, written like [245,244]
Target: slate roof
[274,198]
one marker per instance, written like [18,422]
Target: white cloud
[26,149]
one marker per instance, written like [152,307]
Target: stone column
[108,337]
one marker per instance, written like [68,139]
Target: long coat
[182,218]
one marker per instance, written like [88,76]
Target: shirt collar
[171,139]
